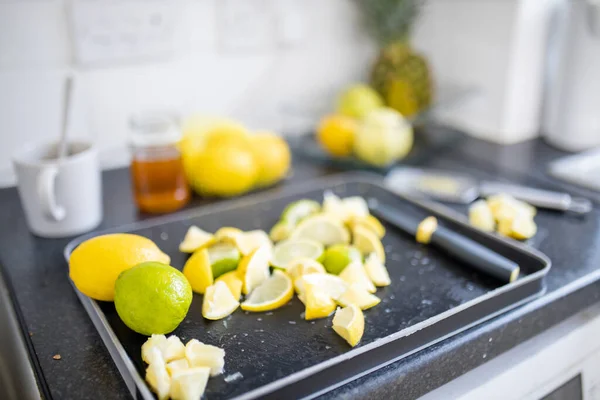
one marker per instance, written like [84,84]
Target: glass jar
[157,175]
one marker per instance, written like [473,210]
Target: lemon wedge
[358,296]
[218,301]
[174,349]
[199,354]
[281,231]
[481,217]
[322,228]
[249,241]
[254,268]
[198,272]
[289,250]
[367,242]
[318,303]
[355,273]
[233,282]
[333,206]
[376,271]
[195,239]
[227,234]
[158,378]
[303,266]
[355,207]
[178,365]
[369,222]
[349,323]
[189,384]
[273,293]
[523,227]
[158,342]
[332,285]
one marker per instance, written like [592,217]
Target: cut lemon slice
[367,242]
[249,241]
[369,222]
[174,349]
[355,274]
[159,380]
[358,296]
[255,268]
[292,249]
[333,206]
[281,231]
[298,210]
[218,302]
[273,293]
[177,366]
[195,239]
[332,285]
[355,207]
[376,271]
[302,266]
[523,227]
[349,323]
[223,257]
[158,342]
[198,272]
[318,303]
[481,217]
[199,354]
[322,228]
[227,234]
[189,384]
[233,282]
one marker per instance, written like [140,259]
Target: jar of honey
[157,175]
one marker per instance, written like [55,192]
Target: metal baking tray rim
[125,365]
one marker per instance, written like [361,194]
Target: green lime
[152,298]
[338,256]
[223,257]
[298,210]
[292,249]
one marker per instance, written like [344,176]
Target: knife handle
[476,255]
[538,197]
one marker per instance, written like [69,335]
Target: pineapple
[400,74]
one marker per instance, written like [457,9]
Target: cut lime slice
[292,249]
[322,228]
[223,257]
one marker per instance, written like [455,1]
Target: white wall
[281,87]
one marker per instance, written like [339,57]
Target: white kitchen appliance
[572,112]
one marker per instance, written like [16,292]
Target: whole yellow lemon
[222,170]
[335,134]
[95,264]
[272,154]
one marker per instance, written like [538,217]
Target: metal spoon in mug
[63,143]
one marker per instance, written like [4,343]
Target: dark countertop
[58,324]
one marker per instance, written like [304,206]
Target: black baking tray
[281,356]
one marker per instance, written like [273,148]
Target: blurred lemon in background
[227,169]
[336,134]
[383,137]
[95,264]
[272,155]
[358,100]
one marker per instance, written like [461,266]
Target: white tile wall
[280,89]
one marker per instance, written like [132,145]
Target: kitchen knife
[472,253]
[457,188]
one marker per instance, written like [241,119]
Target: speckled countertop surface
[58,324]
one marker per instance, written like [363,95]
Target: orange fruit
[336,134]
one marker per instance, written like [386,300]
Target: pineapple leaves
[389,21]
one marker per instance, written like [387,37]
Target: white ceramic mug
[60,198]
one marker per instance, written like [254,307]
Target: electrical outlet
[114,31]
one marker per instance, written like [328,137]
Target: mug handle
[46,194]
